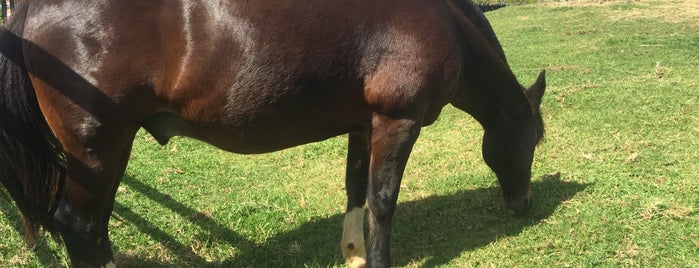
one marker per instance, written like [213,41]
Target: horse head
[508,148]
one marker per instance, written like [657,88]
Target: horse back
[247,76]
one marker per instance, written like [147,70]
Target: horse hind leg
[105,241]
[356,179]
[93,174]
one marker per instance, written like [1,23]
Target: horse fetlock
[350,249]
[353,238]
[354,255]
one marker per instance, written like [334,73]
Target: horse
[79,78]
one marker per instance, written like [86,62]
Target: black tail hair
[32,161]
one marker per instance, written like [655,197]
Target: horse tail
[32,161]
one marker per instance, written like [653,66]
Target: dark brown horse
[80,77]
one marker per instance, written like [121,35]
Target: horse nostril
[518,207]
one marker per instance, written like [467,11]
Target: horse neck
[487,88]
[489,91]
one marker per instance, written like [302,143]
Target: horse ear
[536,91]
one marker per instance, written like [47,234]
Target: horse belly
[276,131]
[269,122]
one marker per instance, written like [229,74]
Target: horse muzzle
[520,205]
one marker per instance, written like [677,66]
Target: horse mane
[490,61]
[476,16]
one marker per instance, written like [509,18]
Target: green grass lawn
[616,180]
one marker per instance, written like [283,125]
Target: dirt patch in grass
[673,11]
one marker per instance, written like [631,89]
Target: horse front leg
[391,142]
[356,179]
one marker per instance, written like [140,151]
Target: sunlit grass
[615,180]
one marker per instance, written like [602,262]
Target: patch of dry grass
[672,11]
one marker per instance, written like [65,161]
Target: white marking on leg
[353,238]
[110,264]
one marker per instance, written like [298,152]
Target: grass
[615,181]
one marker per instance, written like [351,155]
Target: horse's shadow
[446,226]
